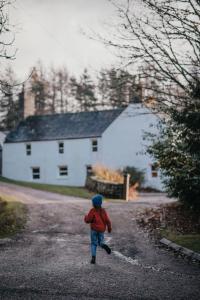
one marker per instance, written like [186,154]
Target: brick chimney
[29,103]
[26,102]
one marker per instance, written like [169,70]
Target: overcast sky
[50,31]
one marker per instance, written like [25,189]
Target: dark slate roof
[63,126]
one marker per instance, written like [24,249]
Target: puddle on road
[132,261]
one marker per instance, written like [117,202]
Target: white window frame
[94,143]
[28,149]
[36,173]
[60,171]
[61,149]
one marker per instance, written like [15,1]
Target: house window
[36,173]
[28,149]
[88,170]
[63,171]
[61,147]
[154,170]
[94,145]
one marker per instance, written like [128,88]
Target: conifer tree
[85,93]
[9,104]
[39,88]
[116,87]
[62,90]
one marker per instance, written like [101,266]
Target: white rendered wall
[77,155]
[123,144]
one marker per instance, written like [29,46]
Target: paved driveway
[50,259]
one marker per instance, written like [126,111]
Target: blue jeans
[97,239]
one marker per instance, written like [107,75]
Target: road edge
[182,250]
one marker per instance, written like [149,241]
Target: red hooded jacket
[98,220]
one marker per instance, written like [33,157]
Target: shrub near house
[136,175]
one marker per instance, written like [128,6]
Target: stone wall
[111,190]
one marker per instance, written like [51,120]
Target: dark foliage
[136,175]
[178,153]
[162,39]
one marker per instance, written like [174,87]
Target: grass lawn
[190,241]
[59,189]
[63,190]
[13,216]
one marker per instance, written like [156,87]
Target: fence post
[126,186]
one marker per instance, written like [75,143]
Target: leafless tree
[6,35]
[161,40]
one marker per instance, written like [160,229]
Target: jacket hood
[97,200]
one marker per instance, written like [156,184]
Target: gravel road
[50,258]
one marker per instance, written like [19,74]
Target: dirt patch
[173,216]
[12,216]
[174,222]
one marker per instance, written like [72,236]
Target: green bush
[177,149]
[136,175]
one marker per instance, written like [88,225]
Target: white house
[60,148]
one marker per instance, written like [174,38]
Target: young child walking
[99,220]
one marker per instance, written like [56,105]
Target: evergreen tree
[73,86]
[85,93]
[103,88]
[116,87]
[62,90]
[9,104]
[178,152]
[39,88]
[52,91]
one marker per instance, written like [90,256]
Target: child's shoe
[105,247]
[93,260]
